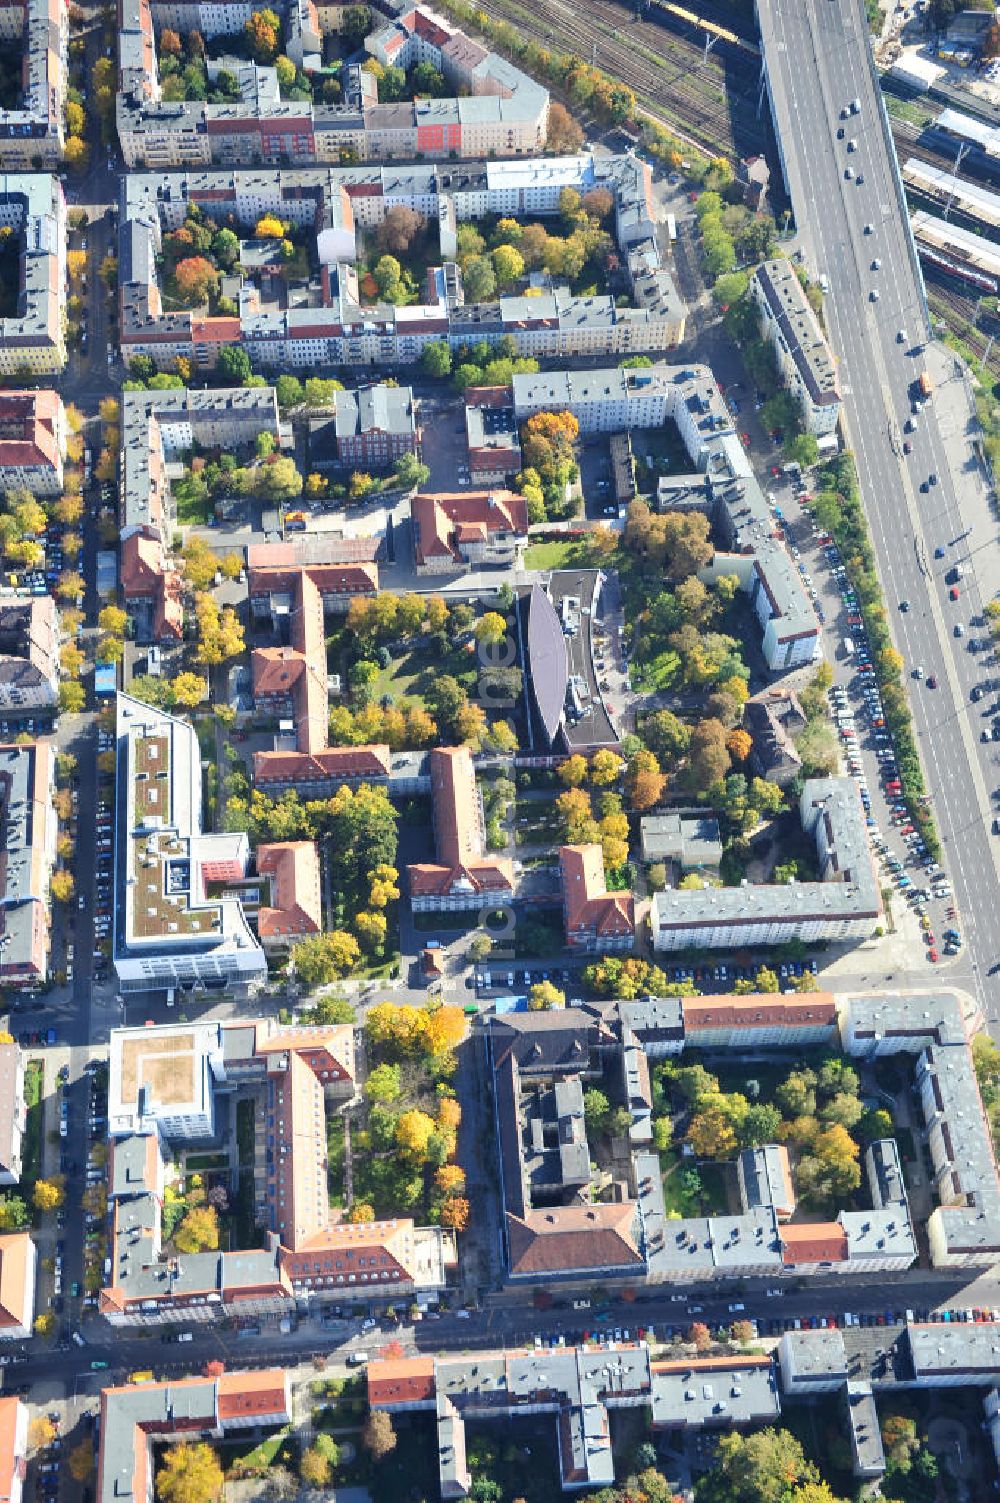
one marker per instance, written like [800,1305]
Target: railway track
[712,100]
[961,314]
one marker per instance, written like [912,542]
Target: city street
[818,65]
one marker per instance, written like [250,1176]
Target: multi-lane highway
[818,61]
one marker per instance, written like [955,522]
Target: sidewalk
[954,401]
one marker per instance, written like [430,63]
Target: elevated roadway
[818,63]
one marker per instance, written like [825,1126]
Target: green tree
[356,22]
[796,1095]
[435,358]
[760,1125]
[479,280]
[383,1085]
[596,1111]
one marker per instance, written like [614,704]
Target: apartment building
[497,110]
[28,832]
[159,428]
[175,923]
[491,435]
[32,442]
[593,918]
[167,1086]
[773,719]
[32,338]
[845,904]
[13,1112]
[18,1272]
[153,589]
[136,1416]
[462,530]
[805,360]
[319,774]
[290,678]
[553,1226]
[614,401]
[579,1387]
[331,325]
[32,133]
[371,428]
[465,875]
[29,656]
[294,906]
[14,1445]
[936,1030]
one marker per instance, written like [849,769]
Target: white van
[849,647]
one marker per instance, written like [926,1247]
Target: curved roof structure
[547,660]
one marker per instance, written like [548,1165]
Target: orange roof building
[464,876]
[134,1416]
[594,918]
[146,578]
[290,679]
[760,1020]
[405,1380]
[13,1446]
[18,1262]
[32,441]
[320,772]
[463,529]
[296,902]
[817,1242]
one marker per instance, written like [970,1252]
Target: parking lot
[924,894]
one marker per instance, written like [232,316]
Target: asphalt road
[819,62]
[511,1322]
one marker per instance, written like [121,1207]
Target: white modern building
[174,923]
[844,905]
[613,400]
[805,360]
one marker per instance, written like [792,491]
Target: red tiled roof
[568,1237]
[457,832]
[587,902]
[296,902]
[759,1010]
[813,1242]
[440,521]
[346,762]
[404,1381]
[141,565]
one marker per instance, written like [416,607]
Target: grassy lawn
[408,677]
[335,1159]
[907,109]
[31,1150]
[238,1461]
[689,1200]
[191,512]
[196,1162]
[558,553]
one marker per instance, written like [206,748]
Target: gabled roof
[336,762]
[568,1238]
[16,1253]
[587,903]
[813,1242]
[296,900]
[406,1380]
[458,833]
[442,521]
